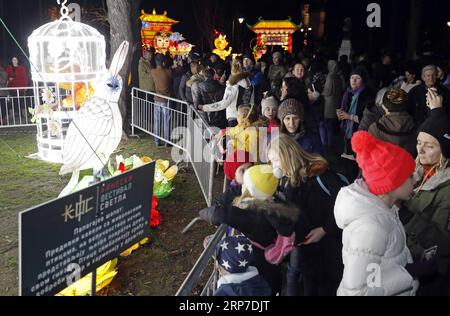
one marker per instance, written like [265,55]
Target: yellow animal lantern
[221,44]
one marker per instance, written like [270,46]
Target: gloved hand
[207,214]
[422,268]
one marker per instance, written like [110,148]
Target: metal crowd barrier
[14,104]
[189,132]
[194,276]
[177,123]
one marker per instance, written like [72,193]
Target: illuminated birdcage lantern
[67,58]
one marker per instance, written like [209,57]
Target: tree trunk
[414,27]
[120,30]
[208,17]
[137,45]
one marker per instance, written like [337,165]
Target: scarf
[299,135]
[347,125]
[429,172]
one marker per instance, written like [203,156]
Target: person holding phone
[417,106]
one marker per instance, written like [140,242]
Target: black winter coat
[317,209]
[184,91]
[417,102]
[366,99]
[260,222]
[211,91]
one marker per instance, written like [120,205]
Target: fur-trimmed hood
[273,209]
[194,79]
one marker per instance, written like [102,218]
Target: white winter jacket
[230,98]
[374,248]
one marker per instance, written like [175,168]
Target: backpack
[245,96]
[344,183]
[279,249]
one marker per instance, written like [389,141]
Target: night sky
[435,15]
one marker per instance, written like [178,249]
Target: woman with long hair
[306,181]
[17,75]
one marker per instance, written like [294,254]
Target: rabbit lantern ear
[119,58]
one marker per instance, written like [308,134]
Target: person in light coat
[239,91]
[374,252]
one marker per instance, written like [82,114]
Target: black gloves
[207,214]
[422,269]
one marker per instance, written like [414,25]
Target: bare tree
[208,18]
[120,30]
[136,25]
[96,16]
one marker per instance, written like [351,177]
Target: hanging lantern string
[9,147]
[64,10]
[45,84]
[22,50]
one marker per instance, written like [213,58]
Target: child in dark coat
[256,215]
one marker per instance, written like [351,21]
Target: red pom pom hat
[385,166]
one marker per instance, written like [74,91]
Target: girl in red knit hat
[376,258]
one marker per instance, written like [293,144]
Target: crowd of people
[352,193]
[347,190]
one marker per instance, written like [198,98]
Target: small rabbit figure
[96,129]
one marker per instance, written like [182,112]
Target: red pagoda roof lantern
[274,27]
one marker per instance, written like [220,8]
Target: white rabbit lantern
[67,58]
[96,129]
